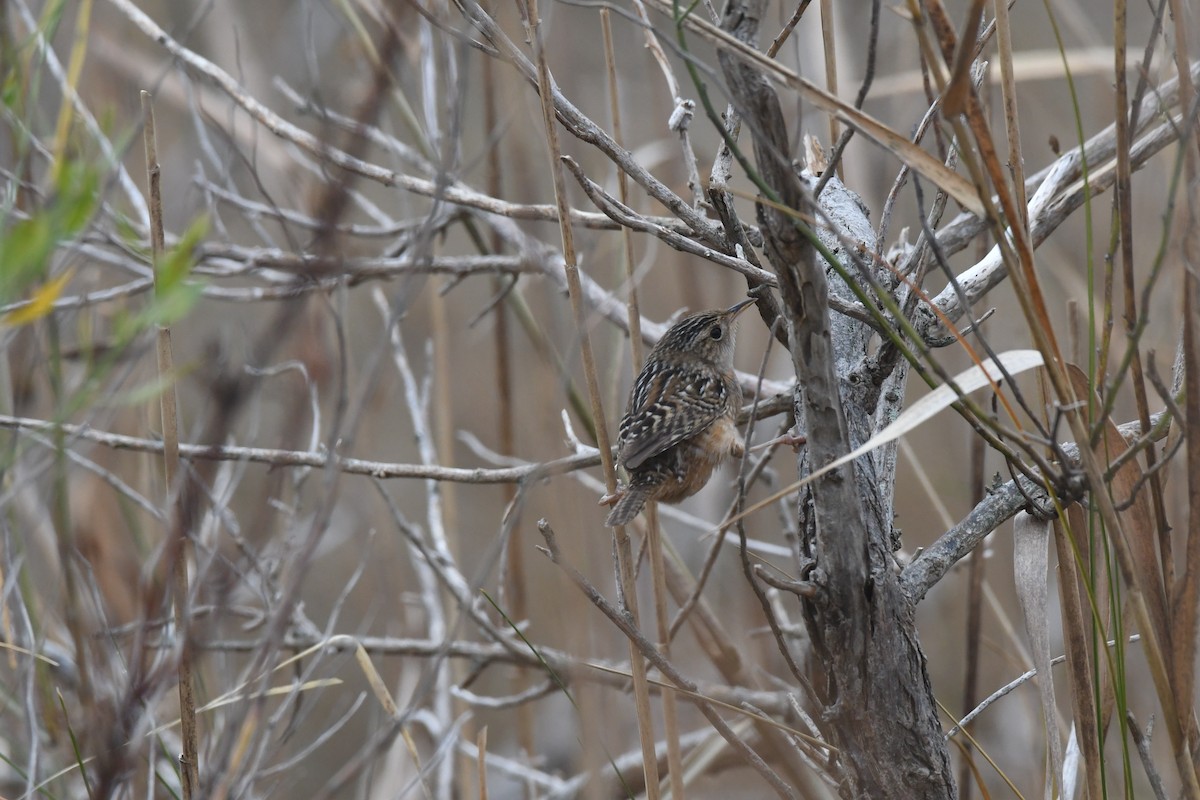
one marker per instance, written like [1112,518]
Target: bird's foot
[792,440]
[613,497]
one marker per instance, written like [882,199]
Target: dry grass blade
[374,679]
[1031,571]
[481,748]
[1076,641]
[988,373]
[1012,126]
[958,88]
[829,49]
[1185,596]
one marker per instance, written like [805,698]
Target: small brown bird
[680,421]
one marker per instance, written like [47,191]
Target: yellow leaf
[41,303]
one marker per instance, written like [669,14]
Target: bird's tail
[628,506]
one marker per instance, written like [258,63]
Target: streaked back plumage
[683,391]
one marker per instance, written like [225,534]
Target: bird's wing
[666,406]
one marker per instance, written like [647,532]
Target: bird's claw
[793,440]
[611,498]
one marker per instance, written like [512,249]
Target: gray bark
[870,672]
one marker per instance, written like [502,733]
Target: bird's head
[708,335]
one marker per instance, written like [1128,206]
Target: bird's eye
[716,333]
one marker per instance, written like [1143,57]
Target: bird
[680,420]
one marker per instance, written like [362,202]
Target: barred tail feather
[628,506]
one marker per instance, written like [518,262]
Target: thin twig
[1142,742]
[178,530]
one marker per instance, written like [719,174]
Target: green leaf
[130,237]
[78,191]
[171,306]
[10,94]
[163,311]
[23,252]
[26,247]
[177,264]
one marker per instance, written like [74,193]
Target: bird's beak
[738,308]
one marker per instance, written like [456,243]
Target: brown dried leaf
[1137,519]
